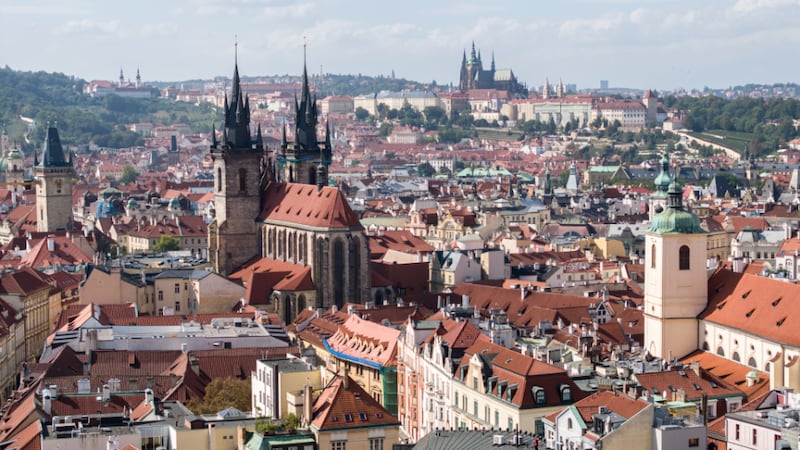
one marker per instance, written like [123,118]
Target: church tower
[676,284]
[54,191]
[237,185]
[658,200]
[302,157]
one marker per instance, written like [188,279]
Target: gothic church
[292,240]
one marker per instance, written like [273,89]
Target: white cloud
[592,29]
[294,11]
[88,26]
[747,6]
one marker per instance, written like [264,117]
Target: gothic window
[683,258]
[338,263]
[59,186]
[242,180]
[720,351]
[653,256]
[219,179]
[354,252]
[736,356]
[752,362]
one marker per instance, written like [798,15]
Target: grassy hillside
[81,119]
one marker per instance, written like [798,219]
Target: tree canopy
[167,243]
[223,393]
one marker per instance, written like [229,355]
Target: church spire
[52,151]
[493,66]
[306,110]
[121,77]
[236,129]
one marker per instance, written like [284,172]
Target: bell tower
[238,169]
[676,281]
[54,191]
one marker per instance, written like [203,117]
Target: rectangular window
[475,408]
[177,306]
[376,444]
[510,424]
[338,445]
[736,434]
[755,436]
[161,296]
[694,442]
[177,288]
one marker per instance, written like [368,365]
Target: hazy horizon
[635,44]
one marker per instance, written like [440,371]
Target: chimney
[696,368]
[106,393]
[47,402]
[51,244]
[307,403]
[148,397]
[195,364]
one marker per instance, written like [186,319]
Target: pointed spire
[493,67]
[259,138]
[472,55]
[283,136]
[213,136]
[52,151]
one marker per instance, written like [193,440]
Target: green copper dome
[3,164]
[132,203]
[663,180]
[674,220]
[15,153]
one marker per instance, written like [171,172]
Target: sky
[664,44]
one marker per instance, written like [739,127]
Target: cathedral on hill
[474,76]
[278,227]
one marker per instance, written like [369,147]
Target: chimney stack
[307,403]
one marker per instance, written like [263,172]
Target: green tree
[426,170]
[361,114]
[167,243]
[385,129]
[223,393]
[129,174]
[291,422]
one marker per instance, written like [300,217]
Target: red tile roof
[307,205]
[340,407]
[758,305]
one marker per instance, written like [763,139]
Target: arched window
[242,180]
[683,257]
[720,351]
[338,263]
[736,357]
[767,366]
[219,179]
[752,362]
[705,346]
[566,394]
[653,256]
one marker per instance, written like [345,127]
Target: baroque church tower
[306,160]
[676,284]
[238,160]
[54,191]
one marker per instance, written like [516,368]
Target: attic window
[746,294]
[348,417]
[672,388]
[721,305]
[714,385]
[682,373]
[750,313]
[696,386]
[780,322]
[362,416]
[775,303]
[334,419]
[379,415]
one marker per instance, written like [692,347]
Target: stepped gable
[307,205]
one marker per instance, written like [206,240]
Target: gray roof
[467,440]
[188,274]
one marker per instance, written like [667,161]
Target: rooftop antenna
[236,49]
